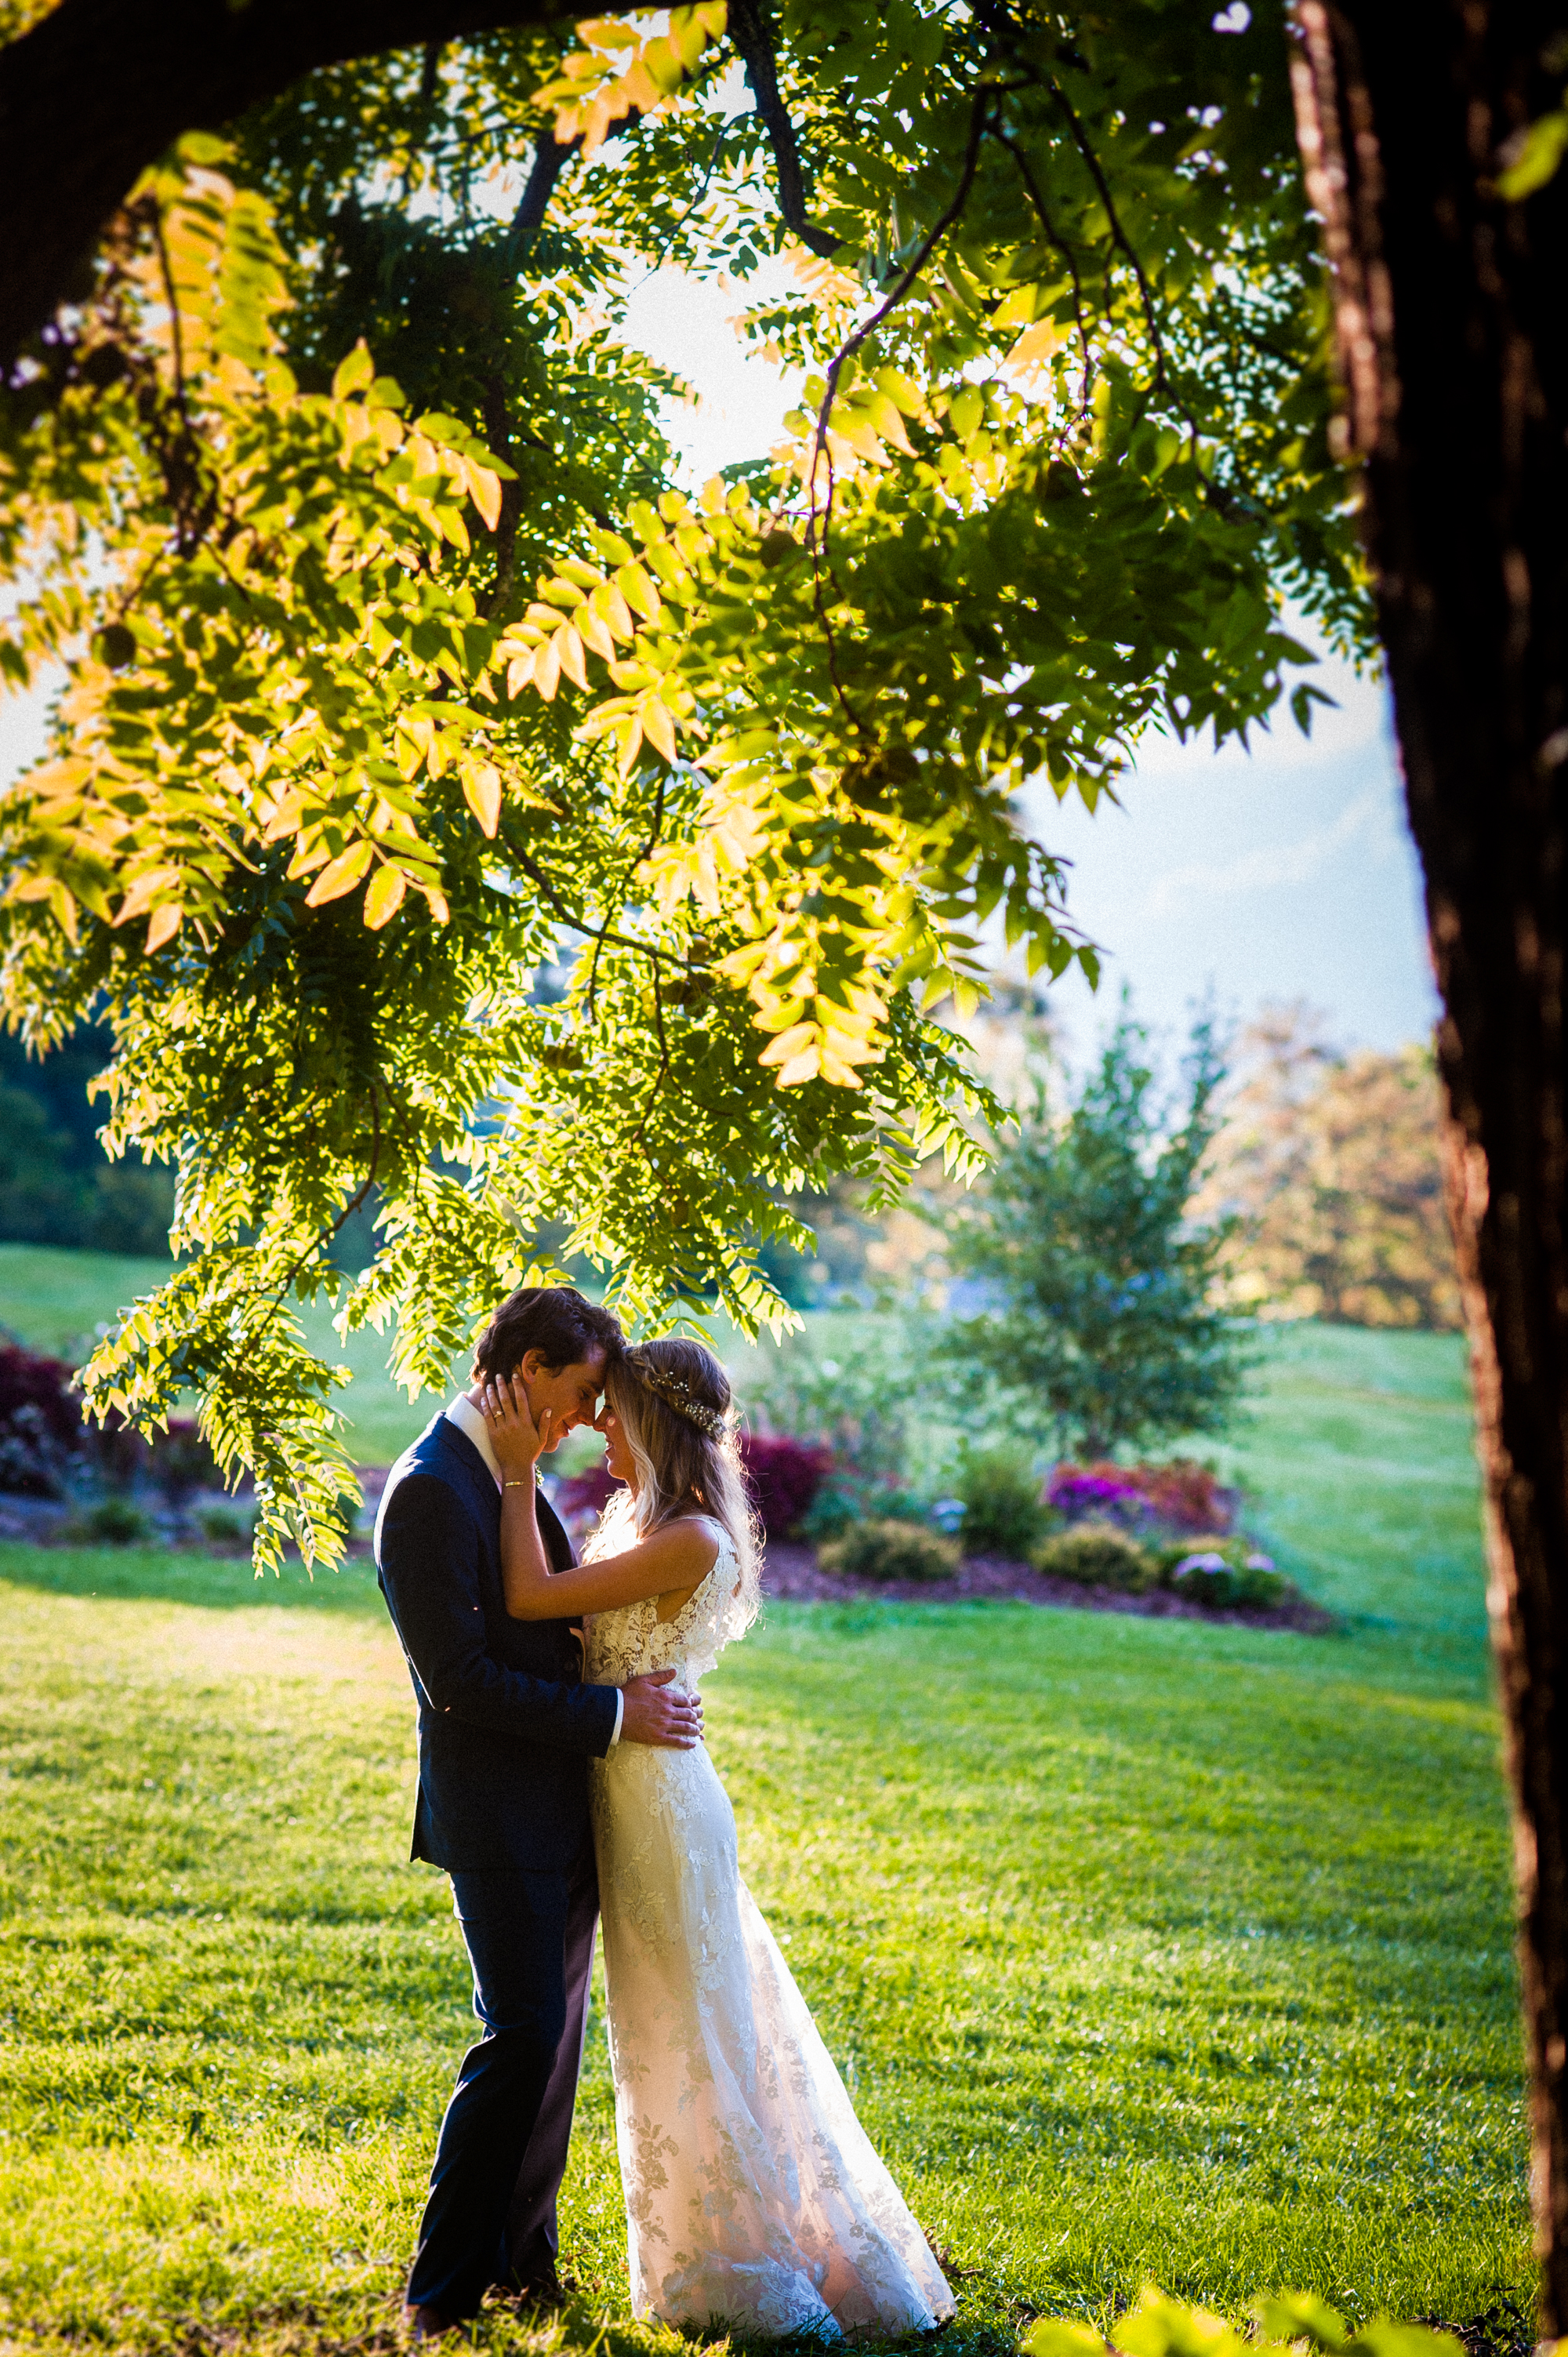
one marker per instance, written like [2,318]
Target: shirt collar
[472,1426]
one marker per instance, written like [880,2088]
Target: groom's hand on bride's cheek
[656,1710]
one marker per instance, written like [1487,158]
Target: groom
[506,1731]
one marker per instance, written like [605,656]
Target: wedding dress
[752,2191]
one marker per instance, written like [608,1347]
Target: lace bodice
[632,1640]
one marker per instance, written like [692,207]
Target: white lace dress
[752,2190]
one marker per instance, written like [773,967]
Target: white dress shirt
[471,1424]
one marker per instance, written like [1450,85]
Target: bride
[753,2194]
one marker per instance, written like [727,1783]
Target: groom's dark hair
[556,1320]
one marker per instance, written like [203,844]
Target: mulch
[794,1575]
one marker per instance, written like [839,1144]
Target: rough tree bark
[99,89]
[1453,337]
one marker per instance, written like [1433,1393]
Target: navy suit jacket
[506,1726]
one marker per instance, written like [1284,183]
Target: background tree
[1103,1329]
[1329,1166]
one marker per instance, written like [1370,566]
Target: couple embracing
[563,1778]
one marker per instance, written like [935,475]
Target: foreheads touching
[558,1344]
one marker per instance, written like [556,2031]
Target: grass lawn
[1149,1948]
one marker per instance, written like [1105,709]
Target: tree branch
[96,92]
[551,157]
[752,36]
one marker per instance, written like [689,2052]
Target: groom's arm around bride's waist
[430,1576]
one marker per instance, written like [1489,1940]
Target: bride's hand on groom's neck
[518,1441]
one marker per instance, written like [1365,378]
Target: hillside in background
[1328,1160]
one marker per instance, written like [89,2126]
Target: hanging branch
[752,35]
[1055,237]
[817,530]
[551,156]
[1119,235]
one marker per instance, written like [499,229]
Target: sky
[1280,873]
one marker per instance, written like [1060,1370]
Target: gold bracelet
[516,1485]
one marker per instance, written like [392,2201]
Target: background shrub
[1186,1495]
[1099,1493]
[180,1460]
[785,1475]
[1097,1554]
[1002,1510]
[1179,1495]
[581,1498]
[1223,1572]
[40,1421]
[115,1521]
[847,1498]
[221,1526]
[892,1550]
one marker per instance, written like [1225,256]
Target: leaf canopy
[447,809]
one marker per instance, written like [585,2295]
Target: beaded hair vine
[676,1393]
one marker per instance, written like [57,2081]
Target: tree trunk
[1451,326]
[98,90]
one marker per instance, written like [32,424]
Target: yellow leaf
[883,412]
[665,65]
[547,669]
[1017,309]
[804,1066]
[594,633]
[609,602]
[485,490]
[284,815]
[599,119]
[163,925]
[383,896]
[637,88]
[340,875]
[482,792]
[657,726]
[638,591]
[606,33]
[354,373]
[789,1044]
[569,648]
[630,735]
[437,900]
[143,891]
[415,742]
[1037,344]
[519,670]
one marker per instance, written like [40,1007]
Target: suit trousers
[490,2214]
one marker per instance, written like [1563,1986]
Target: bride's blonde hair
[673,1401]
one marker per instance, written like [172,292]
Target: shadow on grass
[160,1575]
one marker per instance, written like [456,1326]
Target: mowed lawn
[1149,1949]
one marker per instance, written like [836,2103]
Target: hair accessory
[676,1393]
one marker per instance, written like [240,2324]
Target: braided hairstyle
[673,1401]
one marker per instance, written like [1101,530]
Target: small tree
[1101,1326]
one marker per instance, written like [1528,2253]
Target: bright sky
[1282,873]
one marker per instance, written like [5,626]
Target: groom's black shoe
[544,2293]
[426,2323]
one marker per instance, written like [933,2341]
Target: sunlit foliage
[449,811]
